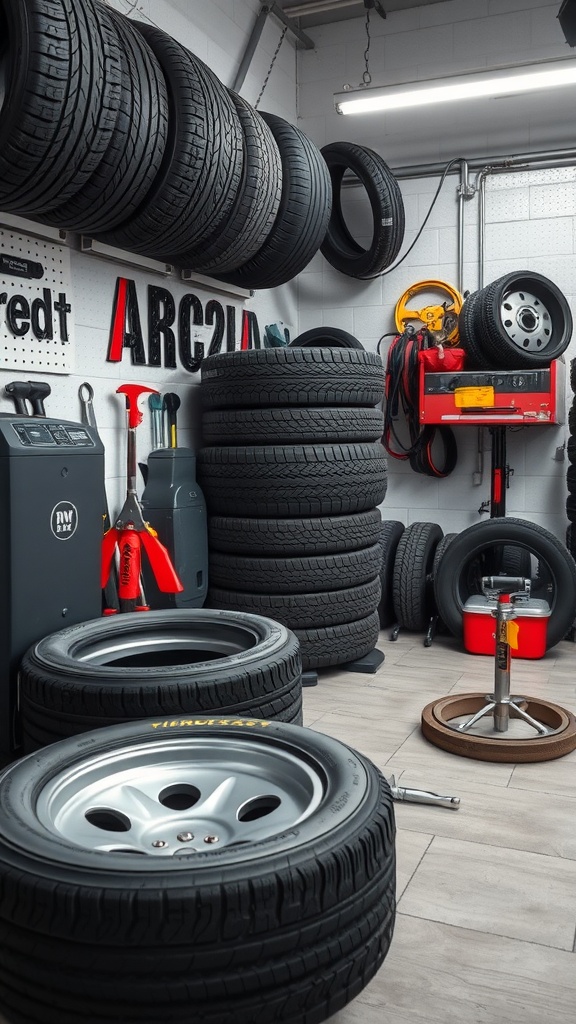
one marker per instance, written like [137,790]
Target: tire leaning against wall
[463,565]
[325,947]
[63,77]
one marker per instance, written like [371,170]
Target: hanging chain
[272,62]
[367,77]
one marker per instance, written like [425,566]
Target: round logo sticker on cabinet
[64,520]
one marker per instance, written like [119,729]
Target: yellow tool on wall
[440,318]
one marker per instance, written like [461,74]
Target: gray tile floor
[486,919]
[485,929]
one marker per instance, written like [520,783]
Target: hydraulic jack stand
[553,728]
[500,703]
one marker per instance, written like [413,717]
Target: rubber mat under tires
[291,376]
[62,78]
[316,425]
[337,645]
[294,575]
[318,535]
[164,662]
[293,481]
[300,611]
[411,593]
[136,933]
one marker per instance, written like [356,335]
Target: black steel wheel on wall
[471,556]
[177,662]
[520,321]
[145,887]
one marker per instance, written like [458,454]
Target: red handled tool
[130,532]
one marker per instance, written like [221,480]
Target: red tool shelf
[493,397]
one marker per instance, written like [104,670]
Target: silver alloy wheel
[526,320]
[178,797]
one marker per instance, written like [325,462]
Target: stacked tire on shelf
[293,473]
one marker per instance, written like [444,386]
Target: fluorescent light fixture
[481,84]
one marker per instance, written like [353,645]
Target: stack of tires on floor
[293,473]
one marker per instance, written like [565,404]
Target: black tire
[571,508]
[293,481]
[301,611]
[132,160]
[63,76]
[571,479]
[303,214]
[572,417]
[145,938]
[294,575]
[199,177]
[326,337]
[256,205]
[470,333]
[524,337]
[178,662]
[291,376]
[571,449]
[471,553]
[320,535]
[340,248]
[390,534]
[443,544]
[291,425]
[572,377]
[338,645]
[412,594]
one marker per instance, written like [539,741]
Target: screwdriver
[172,404]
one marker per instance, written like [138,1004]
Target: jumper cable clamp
[131,533]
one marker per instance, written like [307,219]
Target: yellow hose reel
[440,319]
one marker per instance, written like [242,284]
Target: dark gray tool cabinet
[51,505]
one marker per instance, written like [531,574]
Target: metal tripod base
[501,710]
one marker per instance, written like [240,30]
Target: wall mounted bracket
[265,10]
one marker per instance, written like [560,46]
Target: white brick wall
[530,215]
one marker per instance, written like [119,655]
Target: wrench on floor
[421,796]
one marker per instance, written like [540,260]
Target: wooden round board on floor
[437,715]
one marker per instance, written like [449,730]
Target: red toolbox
[496,396]
[480,627]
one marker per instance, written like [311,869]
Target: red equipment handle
[133,392]
[129,566]
[166,577]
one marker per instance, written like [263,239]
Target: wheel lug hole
[211,839]
[185,837]
[159,844]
